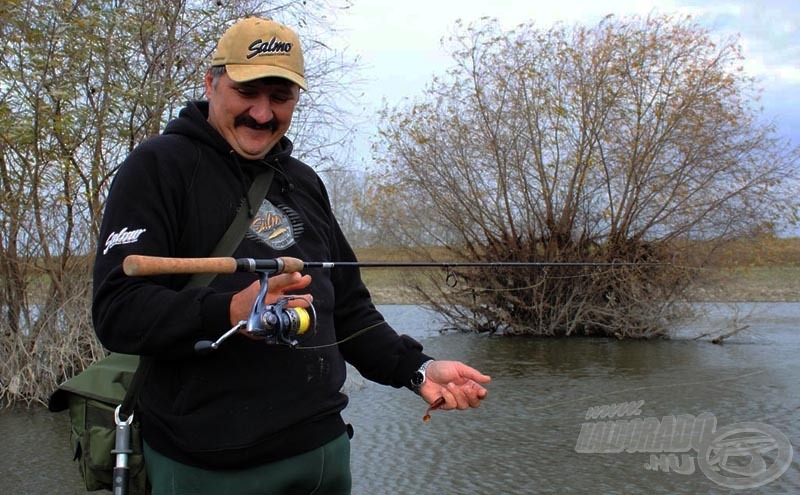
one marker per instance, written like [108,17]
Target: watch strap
[418,379]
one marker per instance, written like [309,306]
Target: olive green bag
[92,397]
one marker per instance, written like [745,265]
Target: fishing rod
[278,323]
[140,265]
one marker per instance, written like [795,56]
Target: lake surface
[532,434]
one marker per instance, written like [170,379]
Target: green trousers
[323,471]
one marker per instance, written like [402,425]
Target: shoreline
[723,285]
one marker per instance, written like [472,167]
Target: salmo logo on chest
[278,227]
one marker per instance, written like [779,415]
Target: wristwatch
[419,376]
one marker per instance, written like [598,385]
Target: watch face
[418,378]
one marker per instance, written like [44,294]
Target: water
[523,438]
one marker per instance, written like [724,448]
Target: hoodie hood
[192,122]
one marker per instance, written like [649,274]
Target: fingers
[467,395]
[459,384]
[455,399]
[464,396]
[303,301]
[286,282]
[470,373]
[455,371]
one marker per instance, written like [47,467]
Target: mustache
[245,120]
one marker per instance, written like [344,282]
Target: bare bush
[620,142]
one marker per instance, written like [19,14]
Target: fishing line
[451,280]
[342,341]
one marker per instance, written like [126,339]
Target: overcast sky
[400,41]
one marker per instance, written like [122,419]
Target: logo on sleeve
[124,236]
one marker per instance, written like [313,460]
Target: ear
[209,80]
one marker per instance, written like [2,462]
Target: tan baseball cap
[254,48]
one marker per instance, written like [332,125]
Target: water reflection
[523,439]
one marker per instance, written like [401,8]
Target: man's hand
[242,302]
[456,382]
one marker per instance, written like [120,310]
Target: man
[249,417]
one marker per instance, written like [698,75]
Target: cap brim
[245,73]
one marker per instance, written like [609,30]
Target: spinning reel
[275,324]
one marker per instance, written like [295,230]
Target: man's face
[251,116]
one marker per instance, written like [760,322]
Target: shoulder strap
[237,229]
[225,247]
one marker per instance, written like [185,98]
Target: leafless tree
[81,84]
[622,142]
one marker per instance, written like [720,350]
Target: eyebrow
[282,85]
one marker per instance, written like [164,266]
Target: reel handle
[137,265]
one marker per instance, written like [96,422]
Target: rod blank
[454,264]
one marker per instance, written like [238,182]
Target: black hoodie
[246,403]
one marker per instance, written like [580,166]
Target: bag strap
[225,247]
[237,229]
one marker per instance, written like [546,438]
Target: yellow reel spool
[304,320]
